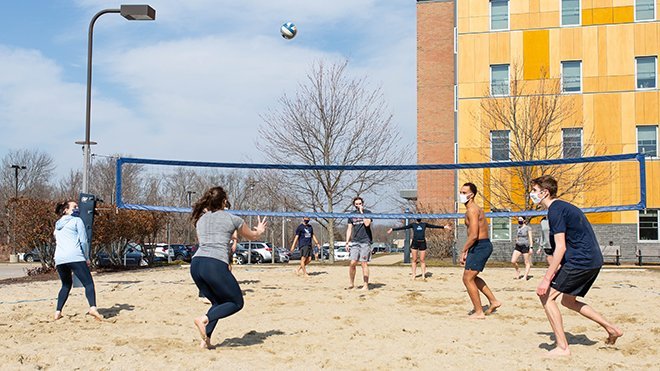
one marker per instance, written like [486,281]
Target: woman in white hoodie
[72,256]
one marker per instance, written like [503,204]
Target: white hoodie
[71,240]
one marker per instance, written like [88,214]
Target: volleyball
[288,30]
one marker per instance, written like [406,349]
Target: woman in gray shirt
[523,247]
[210,265]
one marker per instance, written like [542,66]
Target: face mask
[535,198]
[306,221]
[463,198]
[75,212]
[520,222]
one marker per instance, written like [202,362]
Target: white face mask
[535,198]
[463,198]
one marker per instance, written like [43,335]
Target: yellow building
[599,57]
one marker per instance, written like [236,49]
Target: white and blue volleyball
[288,30]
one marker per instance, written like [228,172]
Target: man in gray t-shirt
[358,243]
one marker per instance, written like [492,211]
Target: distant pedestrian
[303,240]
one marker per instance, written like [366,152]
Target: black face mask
[305,221]
[419,220]
[521,223]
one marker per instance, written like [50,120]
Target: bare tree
[69,187]
[332,120]
[34,181]
[534,114]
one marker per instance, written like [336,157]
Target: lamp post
[16,169]
[250,242]
[132,13]
[189,195]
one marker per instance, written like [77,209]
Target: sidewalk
[13,270]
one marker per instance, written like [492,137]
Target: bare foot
[365,287]
[557,352]
[200,323]
[350,287]
[57,316]
[476,315]
[493,307]
[205,344]
[614,333]
[94,313]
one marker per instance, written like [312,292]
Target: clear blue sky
[192,84]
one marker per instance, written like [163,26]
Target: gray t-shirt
[214,230]
[361,233]
[522,237]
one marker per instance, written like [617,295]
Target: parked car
[263,248]
[181,252]
[340,251]
[161,252]
[241,255]
[32,256]
[379,247]
[133,257]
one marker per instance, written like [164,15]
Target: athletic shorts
[575,282]
[360,251]
[418,245]
[478,255]
[306,251]
[522,248]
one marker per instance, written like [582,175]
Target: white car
[162,251]
[263,248]
[340,250]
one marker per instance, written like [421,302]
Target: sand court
[290,322]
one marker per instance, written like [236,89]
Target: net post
[120,202]
[642,180]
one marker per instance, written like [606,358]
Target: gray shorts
[360,251]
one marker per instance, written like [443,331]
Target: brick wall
[435,102]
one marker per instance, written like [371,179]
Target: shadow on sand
[115,310]
[572,340]
[250,338]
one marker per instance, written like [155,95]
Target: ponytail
[212,200]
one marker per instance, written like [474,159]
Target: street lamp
[132,13]
[16,168]
[189,195]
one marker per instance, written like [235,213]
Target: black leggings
[81,270]
[217,284]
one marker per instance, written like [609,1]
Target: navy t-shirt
[304,233]
[582,250]
[361,233]
[419,229]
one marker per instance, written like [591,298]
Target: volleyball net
[595,184]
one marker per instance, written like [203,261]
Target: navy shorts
[575,282]
[478,255]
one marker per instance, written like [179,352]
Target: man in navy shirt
[304,237]
[575,263]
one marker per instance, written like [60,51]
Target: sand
[295,323]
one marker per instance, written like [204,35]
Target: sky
[192,84]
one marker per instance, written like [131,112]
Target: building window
[572,142]
[499,140]
[646,72]
[647,140]
[499,15]
[570,12]
[644,10]
[500,229]
[648,225]
[571,76]
[499,79]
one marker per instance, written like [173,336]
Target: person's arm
[253,234]
[82,237]
[531,241]
[293,245]
[349,231]
[433,226]
[557,256]
[409,226]
[234,241]
[472,216]
[316,241]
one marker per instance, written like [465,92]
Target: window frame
[561,12]
[657,139]
[490,16]
[657,222]
[563,148]
[562,77]
[508,80]
[655,13]
[492,223]
[508,146]
[655,72]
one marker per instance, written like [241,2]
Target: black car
[242,255]
[133,257]
[182,252]
[32,256]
